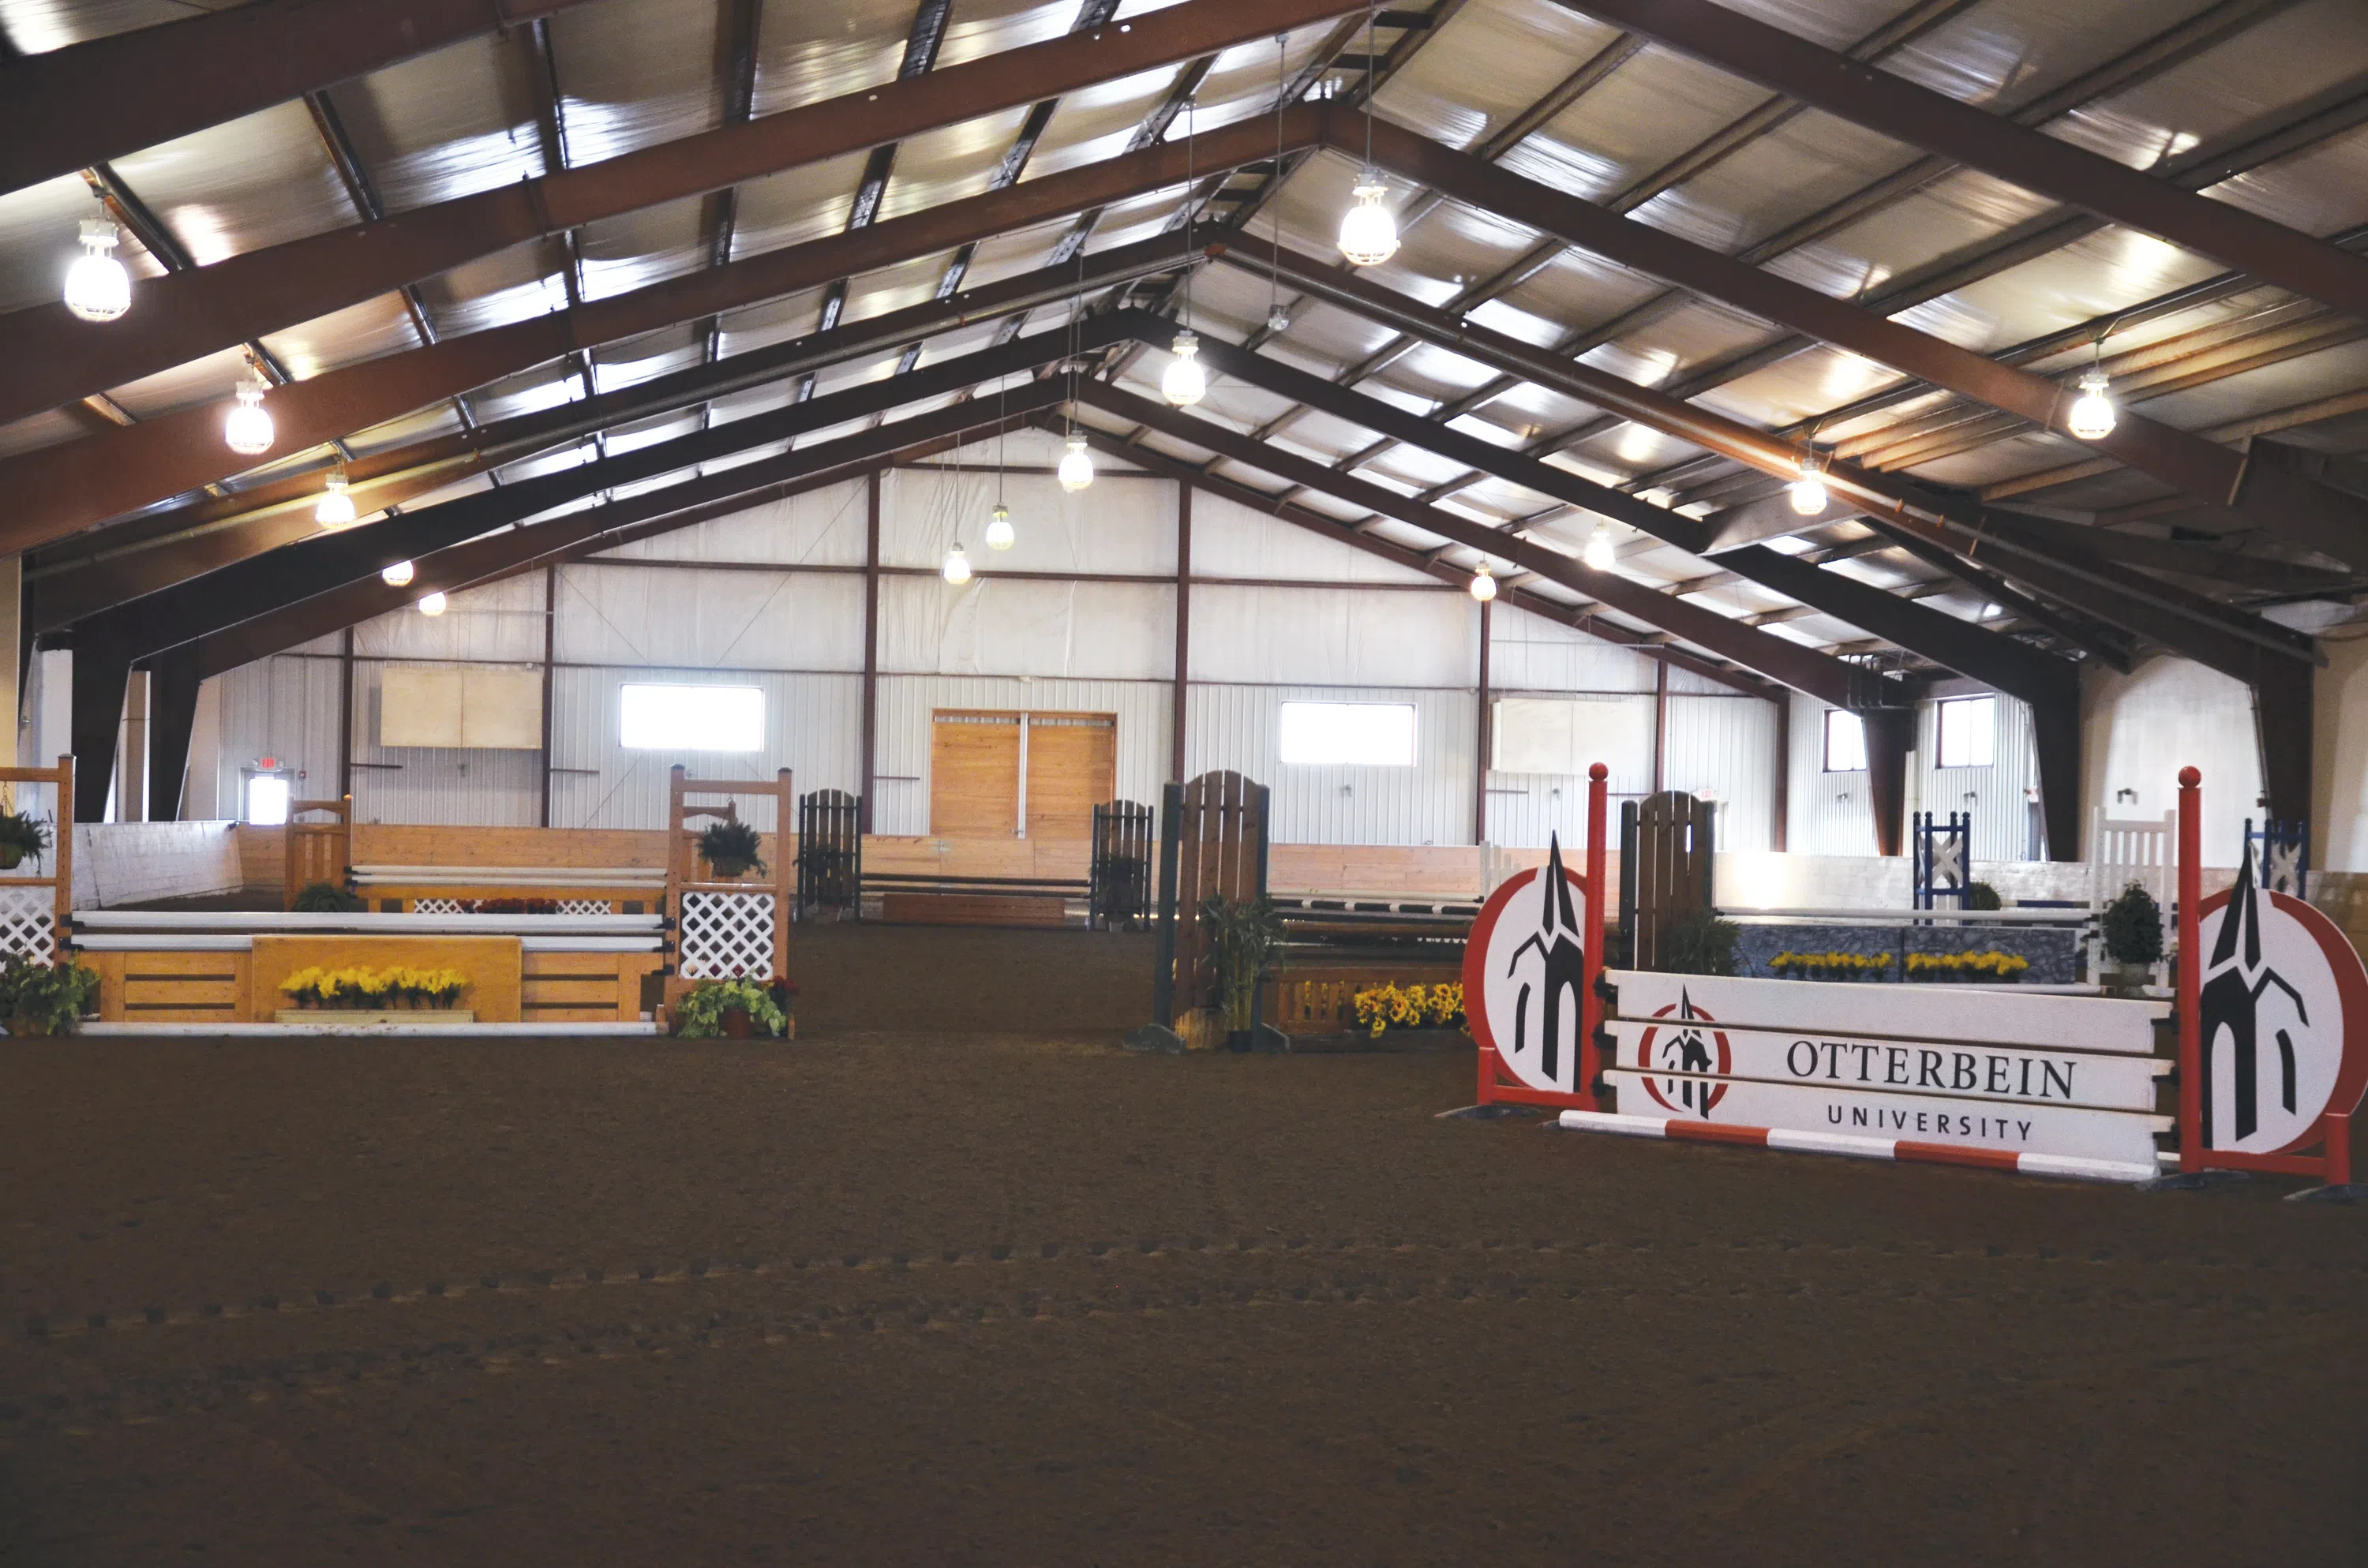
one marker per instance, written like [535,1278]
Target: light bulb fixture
[1278,322]
[957,567]
[1077,470]
[97,287]
[1184,382]
[337,508]
[1600,554]
[999,532]
[1809,489]
[247,429]
[2092,416]
[432,604]
[1484,583]
[397,575]
[1368,233]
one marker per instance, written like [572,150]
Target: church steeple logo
[1675,1052]
[2282,989]
[1525,972]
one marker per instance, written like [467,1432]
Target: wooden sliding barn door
[973,775]
[1072,768]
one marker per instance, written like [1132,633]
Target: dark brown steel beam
[89,102]
[57,490]
[1776,658]
[2300,508]
[264,583]
[48,358]
[1938,124]
[1579,617]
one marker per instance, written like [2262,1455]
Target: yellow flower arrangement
[1973,964]
[1381,1007]
[370,990]
[1830,965]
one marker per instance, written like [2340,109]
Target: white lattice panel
[438,906]
[29,922]
[725,934]
[586,906]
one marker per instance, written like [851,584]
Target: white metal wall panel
[1232,540]
[2000,798]
[1724,748]
[1829,812]
[434,784]
[823,528]
[1123,526]
[1529,653]
[813,726]
[283,707]
[2140,729]
[1238,727]
[1038,630]
[691,618]
[501,621]
[906,703]
[1334,637]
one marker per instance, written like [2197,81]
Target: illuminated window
[1373,735]
[1845,742]
[1968,731]
[266,799]
[693,718]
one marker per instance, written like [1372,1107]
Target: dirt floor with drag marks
[956,1280]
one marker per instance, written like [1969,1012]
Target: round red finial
[2190,778]
[1597,770]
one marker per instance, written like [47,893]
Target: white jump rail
[538,876]
[1915,916]
[1895,1011]
[291,924]
[204,942]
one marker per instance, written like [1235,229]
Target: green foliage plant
[22,834]
[1246,935]
[1981,895]
[326,898]
[699,1014]
[731,847]
[1700,944]
[2132,926]
[44,1000]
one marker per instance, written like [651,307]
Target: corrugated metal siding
[2140,729]
[284,708]
[435,784]
[1235,727]
[1830,813]
[686,618]
[1336,636]
[1999,797]
[1724,748]
[1038,630]
[907,703]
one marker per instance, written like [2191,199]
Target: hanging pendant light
[337,508]
[2092,416]
[247,429]
[97,287]
[397,575]
[1809,489]
[1368,234]
[1600,554]
[1076,469]
[1184,382]
[1483,584]
[957,567]
[432,604]
[999,532]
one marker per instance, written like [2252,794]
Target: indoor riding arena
[1170,781]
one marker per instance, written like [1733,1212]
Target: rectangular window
[266,799]
[1845,742]
[1371,734]
[693,718]
[1968,731]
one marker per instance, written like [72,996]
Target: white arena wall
[1080,616]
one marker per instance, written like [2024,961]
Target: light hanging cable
[2092,417]
[1809,489]
[432,604]
[1600,553]
[1184,382]
[397,575]
[1368,233]
[1484,583]
[98,286]
[999,532]
[956,569]
[247,429]
[1278,320]
[1076,469]
[337,508]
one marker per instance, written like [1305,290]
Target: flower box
[367,1016]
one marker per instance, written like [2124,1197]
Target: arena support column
[1590,1007]
[1890,735]
[2189,1002]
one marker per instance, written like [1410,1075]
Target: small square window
[1373,734]
[1845,742]
[693,718]
[1968,731]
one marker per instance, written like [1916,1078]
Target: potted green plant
[1981,895]
[22,833]
[1244,935]
[44,1000]
[1700,944]
[2132,933]
[730,847]
[325,897]
[737,1009]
